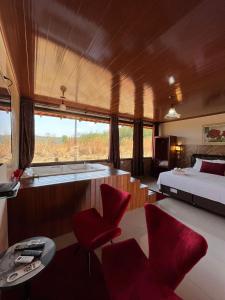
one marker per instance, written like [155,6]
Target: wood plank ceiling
[116,56]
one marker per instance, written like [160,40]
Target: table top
[68,178]
[7,262]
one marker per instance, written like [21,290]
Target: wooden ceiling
[116,56]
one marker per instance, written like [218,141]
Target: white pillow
[219,161]
[163,163]
[198,164]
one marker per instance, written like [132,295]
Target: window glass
[5,136]
[147,142]
[126,141]
[62,139]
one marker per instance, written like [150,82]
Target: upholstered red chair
[173,250]
[93,230]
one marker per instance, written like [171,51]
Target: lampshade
[172,114]
[178,148]
[62,106]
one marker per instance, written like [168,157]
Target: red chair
[173,250]
[93,230]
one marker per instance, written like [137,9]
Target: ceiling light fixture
[171,80]
[172,114]
[62,106]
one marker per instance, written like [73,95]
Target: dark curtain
[137,165]
[114,149]
[155,132]
[26,145]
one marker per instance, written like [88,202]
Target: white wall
[189,132]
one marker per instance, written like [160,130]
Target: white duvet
[201,184]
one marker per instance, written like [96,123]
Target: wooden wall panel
[48,210]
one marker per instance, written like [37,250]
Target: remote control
[35,253]
[33,244]
[23,271]
[24,259]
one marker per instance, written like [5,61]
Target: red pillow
[213,168]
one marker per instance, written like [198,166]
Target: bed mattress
[194,182]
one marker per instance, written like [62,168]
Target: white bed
[205,185]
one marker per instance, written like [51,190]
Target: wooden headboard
[205,156]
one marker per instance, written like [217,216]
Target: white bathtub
[62,170]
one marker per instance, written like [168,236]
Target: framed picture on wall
[214,134]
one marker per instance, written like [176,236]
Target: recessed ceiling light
[171,80]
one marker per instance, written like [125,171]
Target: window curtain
[137,165]
[26,145]
[114,149]
[155,132]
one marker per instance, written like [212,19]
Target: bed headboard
[205,156]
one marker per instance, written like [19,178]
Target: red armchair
[93,230]
[173,250]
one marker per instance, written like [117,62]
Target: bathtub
[42,171]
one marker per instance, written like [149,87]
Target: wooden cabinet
[165,156]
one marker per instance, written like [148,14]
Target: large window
[5,135]
[147,141]
[62,139]
[126,141]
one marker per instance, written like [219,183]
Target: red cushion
[92,230]
[114,203]
[173,250]
[127,274]
[213,168]
[122,263]
[173,247]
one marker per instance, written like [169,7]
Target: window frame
[58,114]
[83,116]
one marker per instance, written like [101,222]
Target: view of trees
[85,147]
[5,148]
[126,141]
[5,136]
[93,145]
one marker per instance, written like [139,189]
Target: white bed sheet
[205,185]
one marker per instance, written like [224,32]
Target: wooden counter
[45,205]
[61,179]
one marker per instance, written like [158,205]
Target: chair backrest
[114,203]
[173,247]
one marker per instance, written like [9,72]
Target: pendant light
[62,106]
[172,114]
